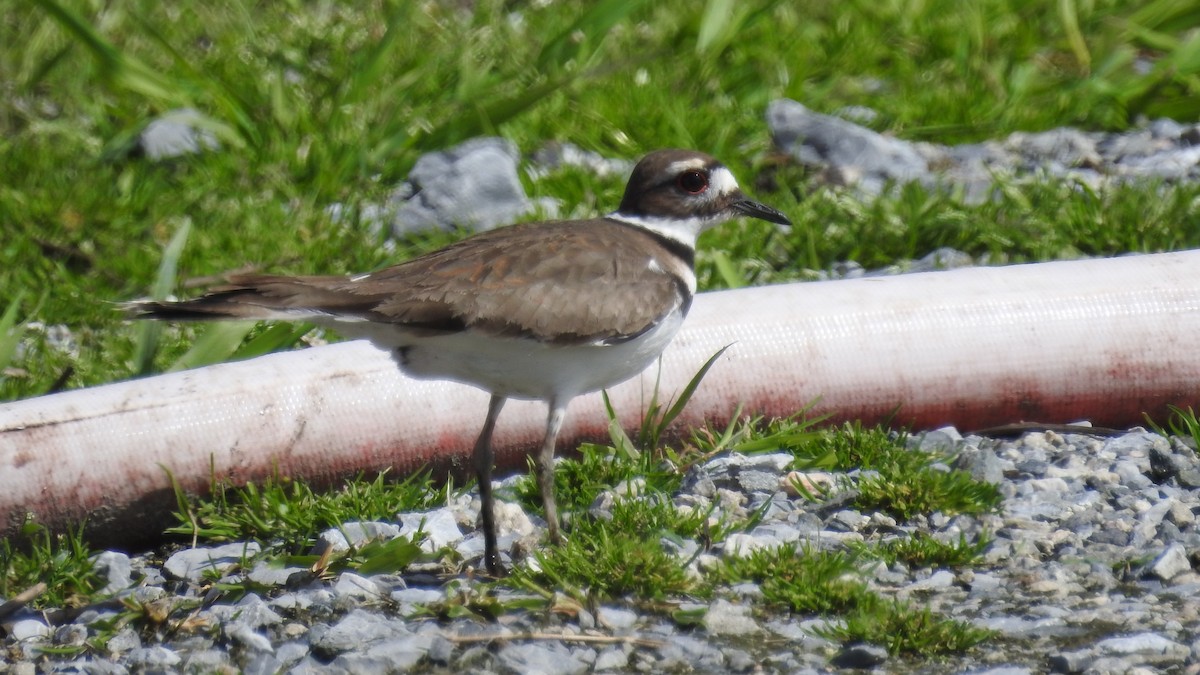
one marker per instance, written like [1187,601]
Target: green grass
[621,555]
[895,480]
[605,559]
[316,104]
[291,514]
[61,561]
[808,581]
[1182,423]
[924,550]
[323,103]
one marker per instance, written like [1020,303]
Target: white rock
[1172,562]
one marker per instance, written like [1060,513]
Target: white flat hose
[1104,340]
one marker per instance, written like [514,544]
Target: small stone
[741,545]
[611,658]
[155,657]
[115,569]
[191,564]
[772,462]
[1174,164]
[355,534]
[943,441]
[512,519]
[685,549]
[176,133]
[739,661]
[71,634]
[1131,475]
[683,650]
[441,650]
[859,114]
[939,580]
[726,618]
[847,520]
[207,661]
[402,653]
[85,666]
[758,481]
[124,640]
[983,582]
[539,659]
[632,487]
[249,638]
[440,527]
[356,629]
[311,666]
[352,585]
[860,656]
[1172,562]
[271,573]
[264,664]
[616,619]
[807,483]
[1145,645]
[1071,662]
[251,610]
[417,596]
[291,652]
[779,532]
[1069,147]
[29,629]
[942,258]
[554,155]
[474,184]
[1179,514]
[981,462]
[849,154]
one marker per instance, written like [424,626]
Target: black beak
[761,211]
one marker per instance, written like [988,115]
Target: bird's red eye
[692,182]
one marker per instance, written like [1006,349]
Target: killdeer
[543,311]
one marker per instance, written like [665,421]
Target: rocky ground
[1092,567]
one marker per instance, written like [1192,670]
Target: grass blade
[228,98]
[727,270]
[9,336]
[120,68]
[214,346]
[593,23]
[688,391]
[272,339]
[717,15]
[657,420]
[164,281]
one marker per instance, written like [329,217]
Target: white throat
[682,231]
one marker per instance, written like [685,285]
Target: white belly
[520,368]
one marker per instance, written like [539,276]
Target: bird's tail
[251,297]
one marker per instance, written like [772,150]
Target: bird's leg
[545,465]
[483,458]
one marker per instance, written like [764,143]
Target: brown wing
[564,281]
[567,282]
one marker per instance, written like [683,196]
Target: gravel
[847,154]
[1092,566]
[1092,569]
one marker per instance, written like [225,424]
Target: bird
[539,311]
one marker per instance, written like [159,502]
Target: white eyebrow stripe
[721,181]
[692,164]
